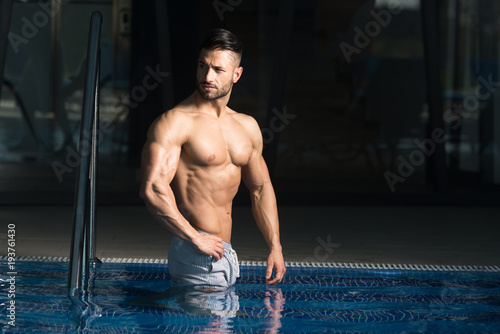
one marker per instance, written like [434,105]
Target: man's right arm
[160,158]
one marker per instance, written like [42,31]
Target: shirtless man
[192,163]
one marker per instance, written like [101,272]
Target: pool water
[137,298]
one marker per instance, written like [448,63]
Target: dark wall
[354,115]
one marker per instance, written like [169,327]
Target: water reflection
[202,302]
[274,302]
[225,306]
[220,311]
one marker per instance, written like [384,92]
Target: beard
[214,95]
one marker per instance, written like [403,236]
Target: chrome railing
[83,242]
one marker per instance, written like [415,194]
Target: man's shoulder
[251,126]
[173,123]
[246,120]
[179,113]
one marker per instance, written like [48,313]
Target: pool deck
[397,235]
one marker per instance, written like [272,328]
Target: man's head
[218,64]
[224,40]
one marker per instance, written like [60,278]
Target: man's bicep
[161,153]
[255,174]
[159,162]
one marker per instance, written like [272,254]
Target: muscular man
[192,163]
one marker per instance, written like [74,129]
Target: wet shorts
[188,267]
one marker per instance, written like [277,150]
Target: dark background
[355,119]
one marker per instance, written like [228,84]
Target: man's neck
[215,107]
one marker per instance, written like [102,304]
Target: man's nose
[209,75]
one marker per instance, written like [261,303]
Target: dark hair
[222,39]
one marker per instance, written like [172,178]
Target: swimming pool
[137,298]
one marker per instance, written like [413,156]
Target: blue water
[137,298]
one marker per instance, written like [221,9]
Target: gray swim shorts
[188,267]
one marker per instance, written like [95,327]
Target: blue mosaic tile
[137,298]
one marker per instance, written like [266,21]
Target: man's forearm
[265,212]
[160,201]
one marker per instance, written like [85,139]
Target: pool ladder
[83,238]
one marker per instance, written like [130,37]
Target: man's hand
[275,262]
[210,245]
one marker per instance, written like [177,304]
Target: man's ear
[237,74]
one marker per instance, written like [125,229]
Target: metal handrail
[83,241]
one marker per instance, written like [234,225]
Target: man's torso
[209,170]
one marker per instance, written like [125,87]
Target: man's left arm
[264,208]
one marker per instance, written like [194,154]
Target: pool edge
[379,266]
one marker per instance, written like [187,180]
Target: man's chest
[218,142]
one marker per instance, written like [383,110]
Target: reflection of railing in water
[83,242]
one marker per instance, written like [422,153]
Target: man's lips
[207,87]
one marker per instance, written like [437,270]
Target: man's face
[217,71]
